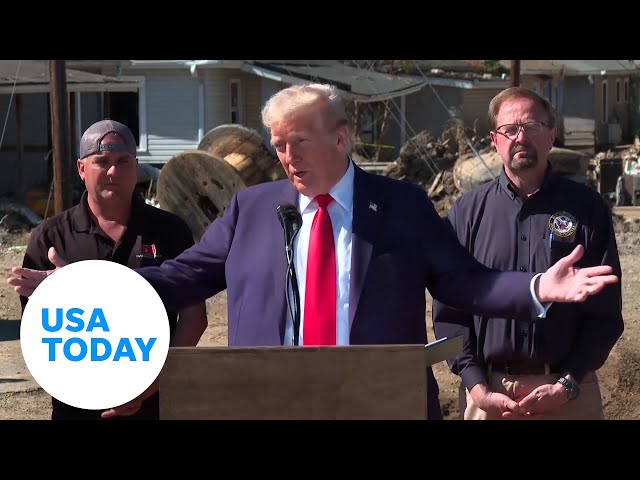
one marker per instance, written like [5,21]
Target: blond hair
[296,98]
[519,92]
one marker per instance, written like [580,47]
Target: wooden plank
[355,382]
[579,124]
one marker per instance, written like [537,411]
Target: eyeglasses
[511,130]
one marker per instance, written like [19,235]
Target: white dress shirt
[341,213]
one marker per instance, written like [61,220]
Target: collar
[82,220]
[550,177]
[342,192]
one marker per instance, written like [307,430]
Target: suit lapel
[289,195]
[367,217]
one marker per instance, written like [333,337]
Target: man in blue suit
[389,244]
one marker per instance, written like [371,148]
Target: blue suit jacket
[400,247]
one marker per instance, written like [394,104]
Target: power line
[453,117]
[433,166]
[6,118]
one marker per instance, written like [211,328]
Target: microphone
[291,221]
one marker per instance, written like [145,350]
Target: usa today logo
[94,334]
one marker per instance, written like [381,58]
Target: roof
[364,85]
[577,67]
[32,76]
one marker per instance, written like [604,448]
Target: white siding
[173,107]
[218,98]
[476,106]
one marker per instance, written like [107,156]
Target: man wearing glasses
[526,220]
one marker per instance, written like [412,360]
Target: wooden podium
[300,383]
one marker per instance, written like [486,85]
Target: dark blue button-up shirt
[504,231]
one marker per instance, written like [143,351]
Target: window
[123,107]
[605,102]
[626,90]
[129,108]
[235,106]
[618,91]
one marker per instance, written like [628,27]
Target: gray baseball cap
[91,141]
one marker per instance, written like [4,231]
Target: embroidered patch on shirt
[562,224]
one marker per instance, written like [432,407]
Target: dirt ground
[22,398]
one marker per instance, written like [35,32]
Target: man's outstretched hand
[26,280]
[565,283]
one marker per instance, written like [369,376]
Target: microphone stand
[292,280]
[291,221]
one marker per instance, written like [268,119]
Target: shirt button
[523,238]
[523,269]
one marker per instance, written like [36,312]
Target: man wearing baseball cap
[113,223]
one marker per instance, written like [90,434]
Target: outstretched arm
[565,283]
[25,280]
[458,280]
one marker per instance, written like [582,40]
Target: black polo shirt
[151,236]
[506,232]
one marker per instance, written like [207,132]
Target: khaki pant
[588,405]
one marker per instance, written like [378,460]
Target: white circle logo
[94,334]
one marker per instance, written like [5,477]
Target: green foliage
[494,67]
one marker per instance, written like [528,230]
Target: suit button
[523,269]
[523,333]
[523,238]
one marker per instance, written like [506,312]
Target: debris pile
[423,156]
[16,217]
[428,161]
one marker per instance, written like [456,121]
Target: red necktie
[320,290]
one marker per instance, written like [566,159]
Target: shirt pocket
[561,248]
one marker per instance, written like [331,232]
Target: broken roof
[32,76]
[576,67]
[364,85]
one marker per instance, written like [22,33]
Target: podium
[358,382]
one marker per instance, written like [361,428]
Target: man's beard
[522,163]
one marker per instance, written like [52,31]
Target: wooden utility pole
[59,103]
[515,73]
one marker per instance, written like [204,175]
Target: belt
[520,368]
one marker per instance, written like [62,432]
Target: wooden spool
[470,172]
[198,187]
[244,149]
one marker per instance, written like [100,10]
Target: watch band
[571,388]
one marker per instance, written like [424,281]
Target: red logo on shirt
[149,251]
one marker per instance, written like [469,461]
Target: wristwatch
[571,388]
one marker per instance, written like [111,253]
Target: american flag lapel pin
[373,206]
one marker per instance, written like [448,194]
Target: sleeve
[448,322]
[602,323]
[457,279]
[36,255]
[199,272]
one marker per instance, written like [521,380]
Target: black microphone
[291,221]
